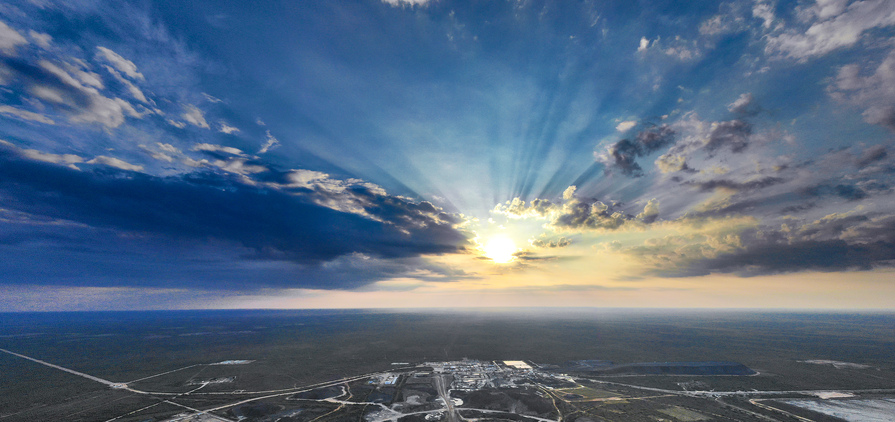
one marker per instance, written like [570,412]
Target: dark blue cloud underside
[275,224]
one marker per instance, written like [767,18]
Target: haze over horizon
[441,153]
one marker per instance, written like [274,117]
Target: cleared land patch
[684,415]
[583,394]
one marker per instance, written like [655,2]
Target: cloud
[678,47]
[114,162]
[175,123]
[835,243]
[644,44]
[670,163]
[871,155]
[744,105]
[832,26]
[212,99]
[33,154]
[731,18]
[225,128]
[41,39]
[875,92]
[131,88]
[622,154]
[271,143]
[229,159]
[10,39]
[26,115]
[650,212]
[73,90]
[162,152]
[217,148]
[258,230]
[625,126]
[239,166]
[575,214]
[194,116]
[849,192]
[406,2]
[765,11]
[739,245]
[732,134]
[734,186]
[554,243]
[123,65]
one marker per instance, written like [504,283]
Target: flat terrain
[374,366]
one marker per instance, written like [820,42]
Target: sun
[500,249]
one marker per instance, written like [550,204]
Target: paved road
[70,371]
[443,392]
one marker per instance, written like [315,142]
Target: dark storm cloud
[733,134]
[623,154]
[268,223]
[829,255]
[849,192]
[834,243]
[737,186]
[871,155]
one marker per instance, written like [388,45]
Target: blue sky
[446,153]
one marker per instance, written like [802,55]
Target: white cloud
[875,92]
[33,154]
[745,104]
[65,159]
[212,99]
[10,39]
[574,214]
[712,26]
[764,11]
[678,47]
[825,9]
[194,115]
[225,128]
[271,143]
[305,178]
[134,91]
[650,211]
[109,112]
[406,2]
[217,148]
[625,126]
[124,65]
[6,75]
[27,115]
[644,44]
[333,193]
[175,123]
[833,26]
[670,163]
[163,152]
[40,39]
[85,76]
[114,162]
[682,49]
[239,166]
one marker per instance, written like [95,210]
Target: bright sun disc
[500,249]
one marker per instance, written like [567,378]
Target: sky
[441,153]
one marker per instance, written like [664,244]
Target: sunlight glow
[500,249]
